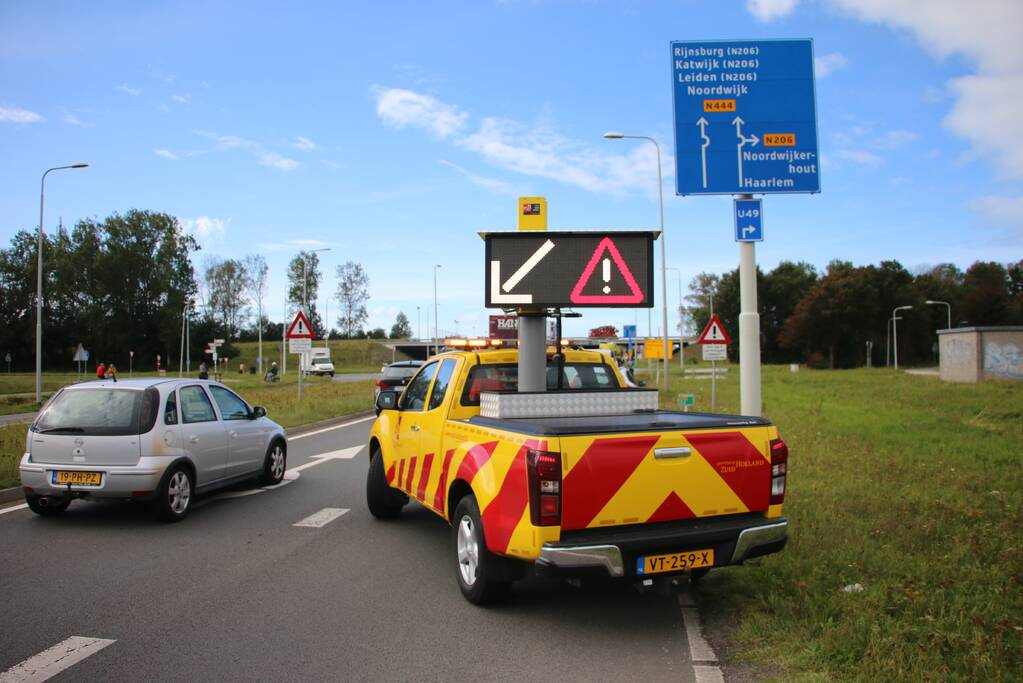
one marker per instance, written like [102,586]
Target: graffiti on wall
[1003,360]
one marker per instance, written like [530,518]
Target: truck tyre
[384,501]
[475,566]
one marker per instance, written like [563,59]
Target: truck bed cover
[661,420]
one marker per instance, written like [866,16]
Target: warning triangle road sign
[300,328]
[714,332]
[606,246]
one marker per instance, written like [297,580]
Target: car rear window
[92,412]
[399,372]
[589,376]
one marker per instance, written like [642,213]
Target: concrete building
[974,354]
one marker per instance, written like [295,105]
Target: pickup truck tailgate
[664,475]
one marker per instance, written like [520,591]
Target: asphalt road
[238,592]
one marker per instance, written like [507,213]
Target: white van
[318,360]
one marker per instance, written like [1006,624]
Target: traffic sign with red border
[714,332]
[300,328]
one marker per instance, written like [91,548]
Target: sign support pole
[532,351]
[749,329]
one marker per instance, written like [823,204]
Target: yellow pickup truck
[587,478]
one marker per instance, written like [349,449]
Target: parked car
[394,376]
[158,440]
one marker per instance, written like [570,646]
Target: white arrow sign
[702,123]
[748,230]
[495,277]
[343,454]
[742,141]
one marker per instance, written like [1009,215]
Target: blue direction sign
[745,117]
[749,220]
[629,331]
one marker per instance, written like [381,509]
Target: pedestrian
[241,368]
[101,371]
[203,373]
[112,372]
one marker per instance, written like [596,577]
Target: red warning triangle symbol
[714,332]
[300,328]
[606,245]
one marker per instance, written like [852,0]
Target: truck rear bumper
[734,539]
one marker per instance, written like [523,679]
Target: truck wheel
[384,501]
[475,565]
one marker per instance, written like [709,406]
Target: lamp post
[39,280]
[436,348]
[611,135]
[946,305]
[895,333]
[681,341]
[419,324]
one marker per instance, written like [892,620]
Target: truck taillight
[544,469]
[779,470]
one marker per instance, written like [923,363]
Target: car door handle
[194,439]
[672,452]
[234,434]
[414,428]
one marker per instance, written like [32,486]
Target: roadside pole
[749,329]
[533,350]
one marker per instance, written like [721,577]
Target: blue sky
[394,132]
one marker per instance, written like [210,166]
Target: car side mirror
[258,412]
[387,400]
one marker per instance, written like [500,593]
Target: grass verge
[913,489]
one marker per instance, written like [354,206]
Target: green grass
[321,399]
[909,486]
[348,355]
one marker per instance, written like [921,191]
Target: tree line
[827,319]
[127,283]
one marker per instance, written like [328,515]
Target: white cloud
[400,108]
[303,143]
[73,120]
[165,153]
[1000,211]
[181,99]
[293,245]
[987,112]
[825,65]
[128,90]
[858,156]
[492,184]
[768,10]
[277,161]
[224,142]
[19,115]
[205,229]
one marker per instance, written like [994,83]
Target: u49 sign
[569,269]
[745,117]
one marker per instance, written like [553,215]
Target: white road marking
[52,661]
[708,674]
[321,518]
[330,429]
[699,649]
[343,454]
[13,508]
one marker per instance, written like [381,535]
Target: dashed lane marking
[332,428]
[699,649]
[13,508]
[52,661]
[321,518]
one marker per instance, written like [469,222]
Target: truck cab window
[414,397]
[440,387]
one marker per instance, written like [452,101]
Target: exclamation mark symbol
[607,275]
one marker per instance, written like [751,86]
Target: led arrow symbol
[495,278]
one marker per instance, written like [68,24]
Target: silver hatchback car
[158,440]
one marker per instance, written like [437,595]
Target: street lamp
[612,135]
[681,341]
[946,305]
[895,332]
[39,281]
[305,301]
[419,324]
[435,345]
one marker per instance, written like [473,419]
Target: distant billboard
[504,327]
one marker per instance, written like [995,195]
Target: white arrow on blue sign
[749,220]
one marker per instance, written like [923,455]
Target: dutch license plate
[674,562]
[75,477]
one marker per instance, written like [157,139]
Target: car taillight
[381,384]
[544,470]
[779,470]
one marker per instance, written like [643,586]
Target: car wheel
[47,506]
[174,498]
[474,564]
[275,465]
[384,501]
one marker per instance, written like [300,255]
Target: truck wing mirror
[387,400]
